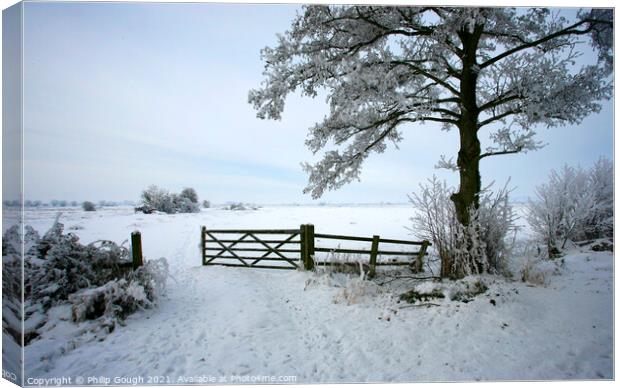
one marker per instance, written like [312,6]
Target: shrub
[96,279]
[241,206]
[206,204]
[464,250]
[119,298]
[161,200]
[184,205]
[601,181]
[190,194]
[573,205]
[88,206]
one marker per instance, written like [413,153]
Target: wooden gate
[255,248]
[295,248]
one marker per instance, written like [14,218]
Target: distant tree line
[62,203]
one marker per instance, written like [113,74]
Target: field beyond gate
[296,248]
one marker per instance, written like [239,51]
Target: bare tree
[468,68]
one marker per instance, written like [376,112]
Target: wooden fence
[296,248]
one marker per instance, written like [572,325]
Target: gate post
[418,264]
[306,235]
[136,249]
[203,244]
[374,249]
[310,237]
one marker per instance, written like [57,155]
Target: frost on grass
[96,280]
[539,272]
[347,274]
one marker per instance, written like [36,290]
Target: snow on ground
[236,324]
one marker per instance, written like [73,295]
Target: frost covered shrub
[206,204]
[601,181]
[157,198]
[12,278]
[96,279]
[189,194]
[120,297]
[11,282]
[236,206]
[161,200]
[184,205]
[88,206]
[480,246]
[573,205]
[60,265]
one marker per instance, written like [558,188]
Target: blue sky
[120,96]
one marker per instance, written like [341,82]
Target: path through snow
[227,323]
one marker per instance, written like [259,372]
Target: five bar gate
[294,248]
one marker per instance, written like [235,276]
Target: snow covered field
[220,324]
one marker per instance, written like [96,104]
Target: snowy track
[228,322]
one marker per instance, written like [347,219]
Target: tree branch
[500,100]
[498,117]
[428,75]
[504,152]
[566,31]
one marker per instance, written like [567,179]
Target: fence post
[309,264]
[303,245]
[418,265]
[136,249]
[203,244]
[374,249]
[306,237]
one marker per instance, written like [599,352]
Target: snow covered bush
[478,247]
[189,194]
[11,283]
[241,206]
[206,204]
[157,198]
[184,205]
[601,181]
[162,200]
[97,279]
[573,205]
[120,297]
[88,206]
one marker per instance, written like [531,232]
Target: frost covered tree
[562,206]
[190,194]
[574,204]
[601,182]
[88,206]
[505,69]
[156,198]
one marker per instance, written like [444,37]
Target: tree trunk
[468,163]
[468,160]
